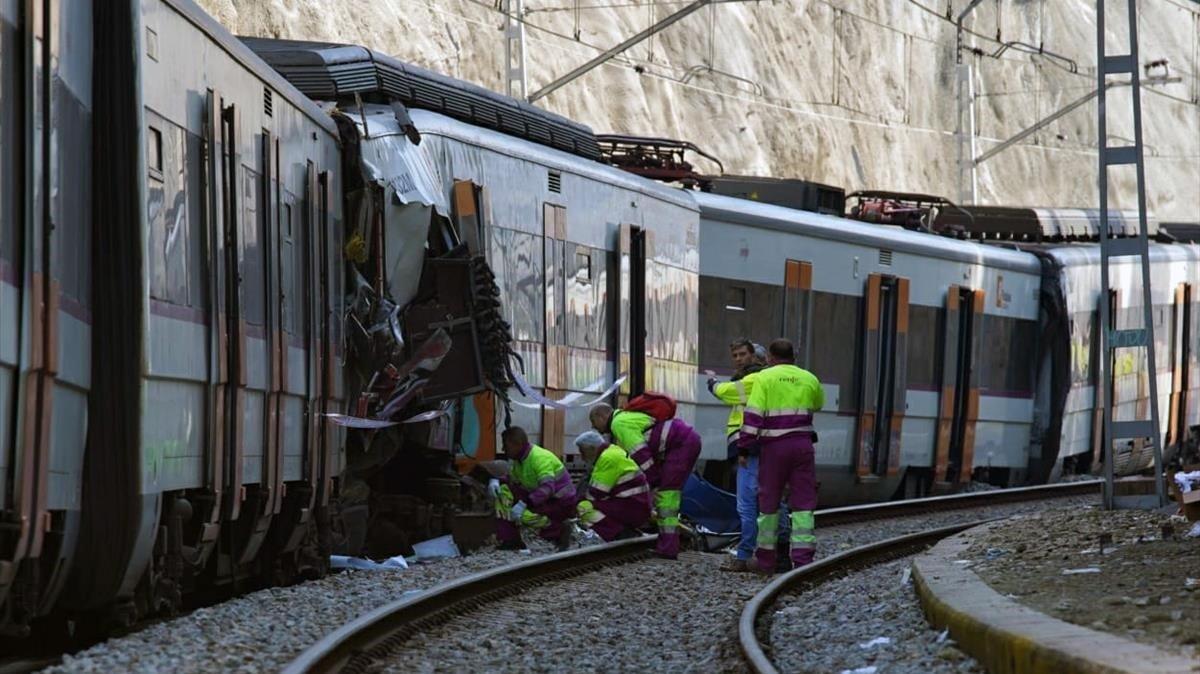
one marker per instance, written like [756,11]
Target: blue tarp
[706,505]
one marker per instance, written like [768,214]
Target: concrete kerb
[1007,637]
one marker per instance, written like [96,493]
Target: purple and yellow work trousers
[546,518]
[787,460]
[667,458]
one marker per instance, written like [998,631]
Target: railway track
[755,614]
[494,597]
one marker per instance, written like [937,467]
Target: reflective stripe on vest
[662,440]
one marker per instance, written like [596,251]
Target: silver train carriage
[598,269]
[920,342]
[46,304]
[588,258]
[162,377]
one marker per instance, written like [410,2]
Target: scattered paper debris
[861,670]
[346,562]
[442,547]
[941,638]
[1074,572]
[877,641]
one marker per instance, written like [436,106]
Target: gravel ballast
[264,630]
[687,612]
[1111,571]
[863,620]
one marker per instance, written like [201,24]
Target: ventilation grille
[885,258]
[268,102]
[554,182]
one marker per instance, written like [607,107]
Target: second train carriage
[597,268]
[918,340]
[593,264]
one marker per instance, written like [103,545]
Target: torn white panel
[391,160]
[406,228]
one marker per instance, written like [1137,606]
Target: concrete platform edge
[1007,637]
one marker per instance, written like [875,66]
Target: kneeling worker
[537,494]
[666,451]
[618,497]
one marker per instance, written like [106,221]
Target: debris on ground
[1134,583]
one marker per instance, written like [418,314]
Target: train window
[835,337]
[154,150]
[1005,364]
[924,345]
[168,216]
[586,323]
[288,270]
[253,277]
[1082,348]
[735,298]
[721,325]
[583,266]
[519,275]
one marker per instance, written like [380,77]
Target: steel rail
[358,643]
[825,569]
[882,551]
[921,506]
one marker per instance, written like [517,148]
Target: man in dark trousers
[778,420]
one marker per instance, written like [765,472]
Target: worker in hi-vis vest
[778,423]
[748,358]
[617,501]
[538,493]
[666,451]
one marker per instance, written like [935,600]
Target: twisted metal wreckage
[424,330]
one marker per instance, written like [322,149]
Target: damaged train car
[490,247]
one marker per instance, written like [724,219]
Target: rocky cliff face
[859,93]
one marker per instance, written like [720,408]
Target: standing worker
[778,420]
[537,494]
[617,502]
[735,393]
[666,451]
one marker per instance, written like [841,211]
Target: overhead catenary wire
[647,68]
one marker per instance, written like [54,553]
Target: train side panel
[558,234]
[846,272]
[226,303]
[45,295]
[1175,272]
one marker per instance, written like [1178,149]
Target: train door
[231,328]
[214,273]
[1181,356]
[1097,411]
[45,291]
[958,408]
[797,308]
[21,318]
[884,362]
[634,244]
[554,230]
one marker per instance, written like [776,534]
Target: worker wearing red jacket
[666,451]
